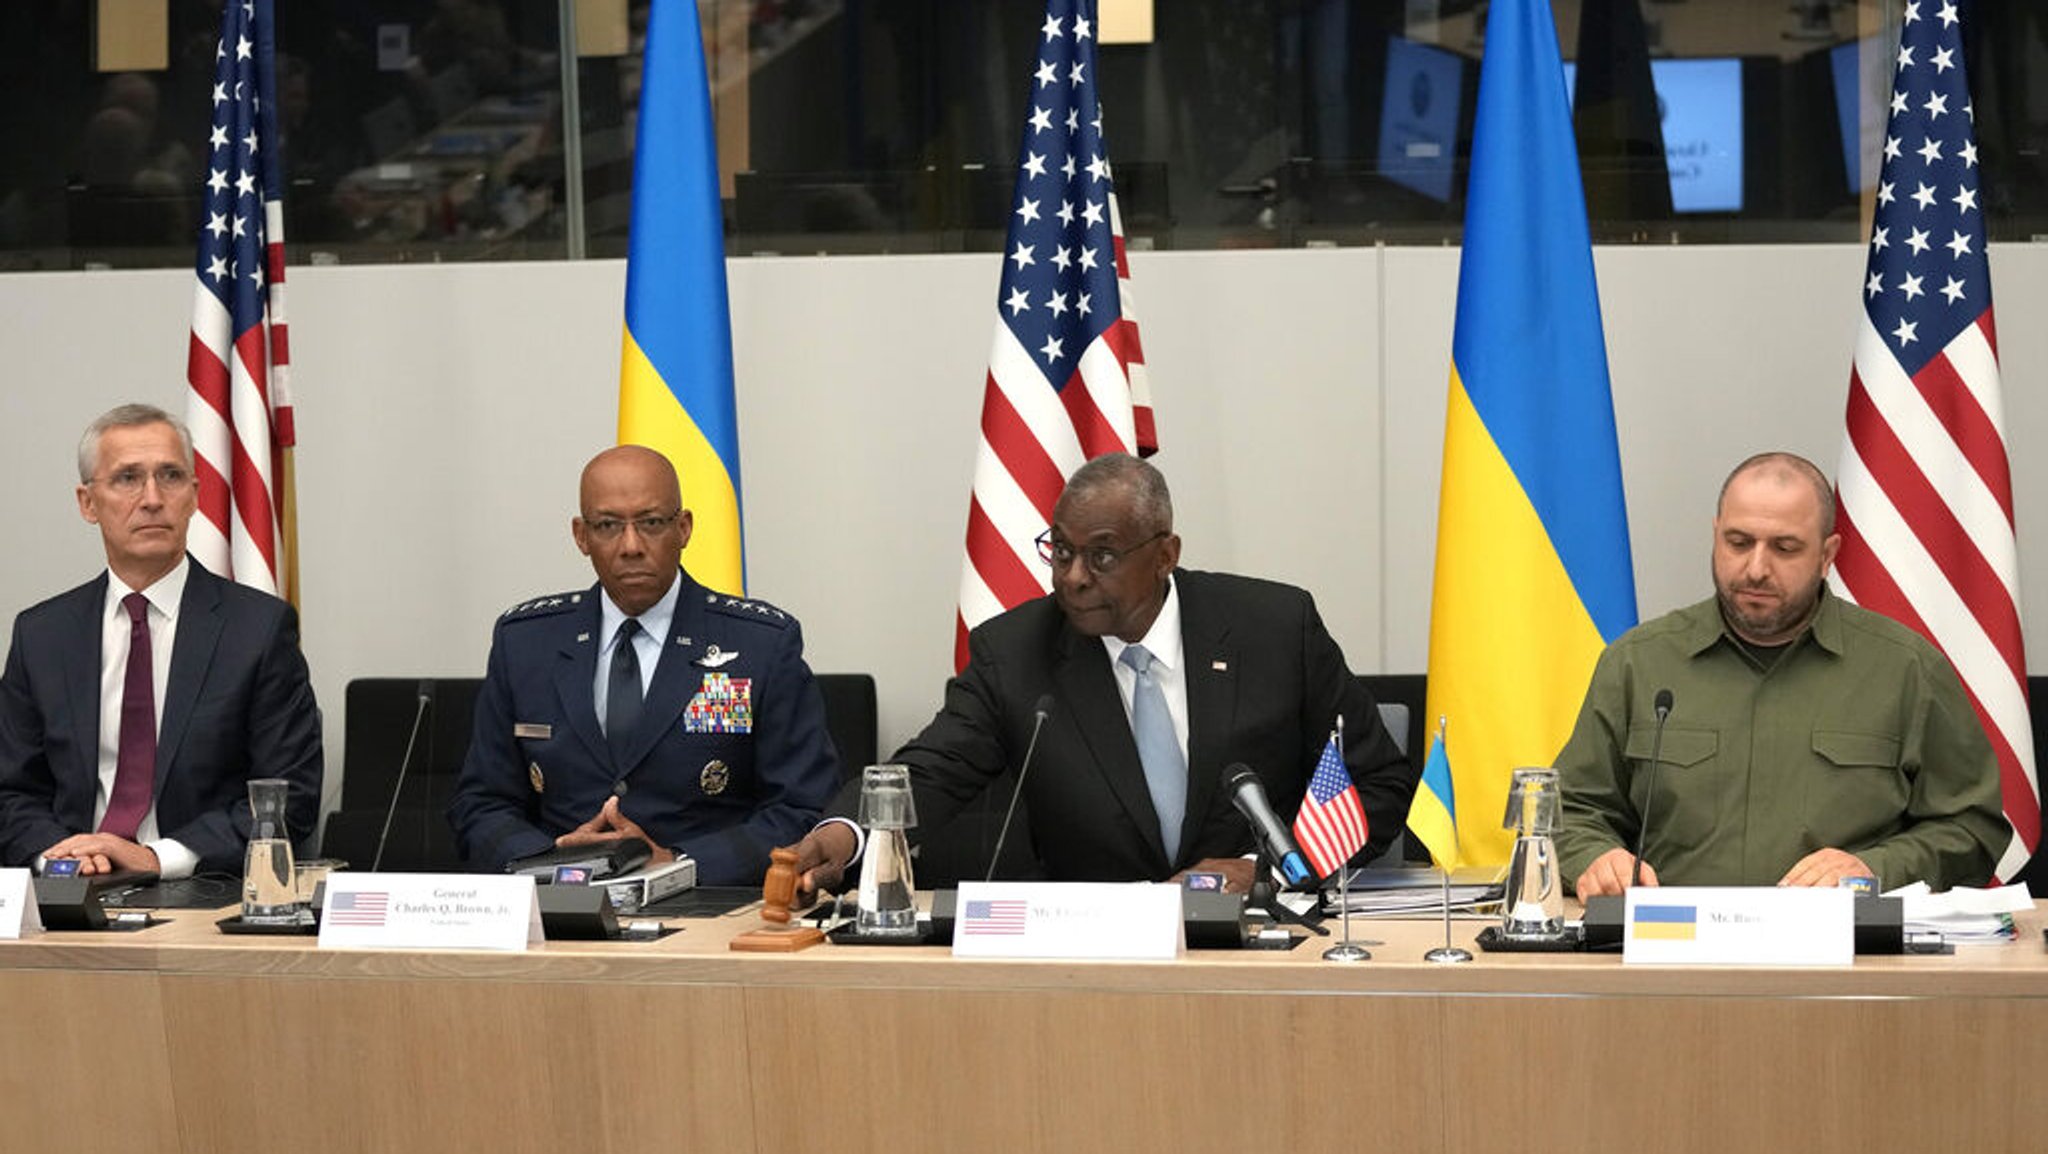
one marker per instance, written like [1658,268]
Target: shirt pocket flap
[1845,749]
[1681,746]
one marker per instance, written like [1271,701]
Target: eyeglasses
[609,528]
[128,482]
[1100,559]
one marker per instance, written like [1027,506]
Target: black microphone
[427,690]
[1249,796]
[1663,708]
[1041,710]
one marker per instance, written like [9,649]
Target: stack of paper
[1963,916]
[1412,892]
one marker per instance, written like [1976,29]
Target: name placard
[1739,926]
[429,911]
[18,915]
[1127,920]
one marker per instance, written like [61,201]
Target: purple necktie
[135,764]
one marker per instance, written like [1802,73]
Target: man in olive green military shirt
[1809,739]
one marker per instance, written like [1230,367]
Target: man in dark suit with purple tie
[135,709]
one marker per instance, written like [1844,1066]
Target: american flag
[1925,504]
[240,409]
[358,908]
[998,918]
[1331,825]
[1066,377]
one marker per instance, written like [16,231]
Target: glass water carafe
[888,900]
[270,889]
[1532,907]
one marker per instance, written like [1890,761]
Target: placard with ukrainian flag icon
[1739,926]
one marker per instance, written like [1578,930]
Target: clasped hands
[1609,873]
[612,826]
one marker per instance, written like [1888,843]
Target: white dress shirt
[165,596]
[1163,642]
[647,643]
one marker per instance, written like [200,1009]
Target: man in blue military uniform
[646,707]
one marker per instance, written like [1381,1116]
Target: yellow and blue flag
[675,377]
[1666,923]
[1533,573]
[1433,815]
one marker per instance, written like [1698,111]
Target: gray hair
[127,417]
[1150,500]
[1785,465]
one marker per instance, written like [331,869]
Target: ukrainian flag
[1666,923]
[1533,574]
[675,377]
[1433,815]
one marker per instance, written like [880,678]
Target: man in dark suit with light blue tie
[645,707]
[135,708]
[1160,679]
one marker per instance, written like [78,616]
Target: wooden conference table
[179,1038]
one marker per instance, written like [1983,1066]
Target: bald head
[1781,468]
[1774,542]
[633,525]
[636,466]
[1133,481]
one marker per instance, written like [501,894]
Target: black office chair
[2036,872]
[1402,698]
[948,854]
[850,718]
[378,722]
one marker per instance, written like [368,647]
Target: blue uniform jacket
[732,757]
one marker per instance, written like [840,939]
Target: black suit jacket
[237,705]
[1265,684]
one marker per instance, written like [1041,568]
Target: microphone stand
[426,702]
[1266,897]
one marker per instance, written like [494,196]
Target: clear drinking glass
[888,901]
[270,891]
[1533,906]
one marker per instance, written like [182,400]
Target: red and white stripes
[1925,513]
[239,411]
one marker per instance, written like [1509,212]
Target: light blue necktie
[1166,768]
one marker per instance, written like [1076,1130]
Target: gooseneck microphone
[1663,708]
[427,689]
[1249,796]
[1041,709]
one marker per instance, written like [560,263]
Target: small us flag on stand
[1331,825]
[1925,487]
[1066,377]
[240,409]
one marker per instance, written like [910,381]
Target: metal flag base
[1346,950]
[1447,954]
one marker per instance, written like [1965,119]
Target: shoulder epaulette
[746,609]
[546,606]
